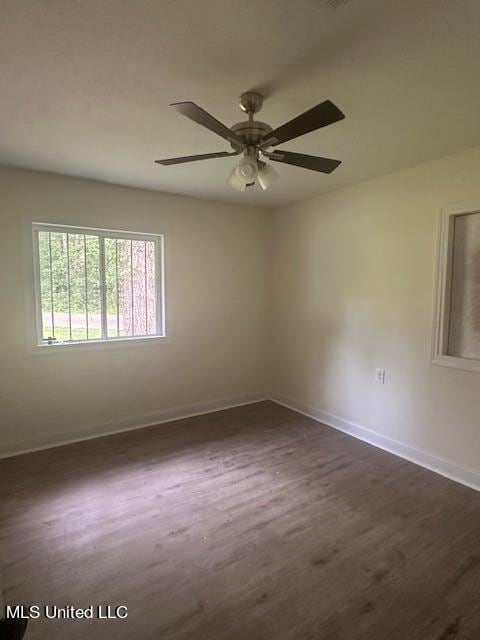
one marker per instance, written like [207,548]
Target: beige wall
[353,289]
[216,278]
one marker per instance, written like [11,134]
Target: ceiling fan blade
[322,115]
[202,117]
[315,163]
[203,156]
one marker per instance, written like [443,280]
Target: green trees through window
[96,286]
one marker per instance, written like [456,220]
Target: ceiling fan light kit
[247,168]
[248,171]
[252,138]
[234,181]
[266,175]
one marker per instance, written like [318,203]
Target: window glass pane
[464,320]
[70,286]
[79,246]
[54,286]
[58,247]
[131,288]
[124,287]
[45,284]
[71,289]
[151,310]
[139,288]
[112,288]
[94,307]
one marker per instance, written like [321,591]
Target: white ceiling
[85,85]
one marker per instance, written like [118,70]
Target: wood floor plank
[255,522]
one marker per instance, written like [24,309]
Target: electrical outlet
[380,376]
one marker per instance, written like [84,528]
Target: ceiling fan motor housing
[251,132]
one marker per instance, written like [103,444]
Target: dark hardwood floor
[254,523]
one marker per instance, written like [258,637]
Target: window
[97,285]
[457,318]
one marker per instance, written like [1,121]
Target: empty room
[240,309]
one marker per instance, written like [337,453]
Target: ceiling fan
[253,138]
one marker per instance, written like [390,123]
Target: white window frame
[157,239]
[443,286]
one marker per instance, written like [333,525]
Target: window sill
[95,345]
[457,363]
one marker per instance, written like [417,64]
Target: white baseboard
[130,424]
[447,468]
